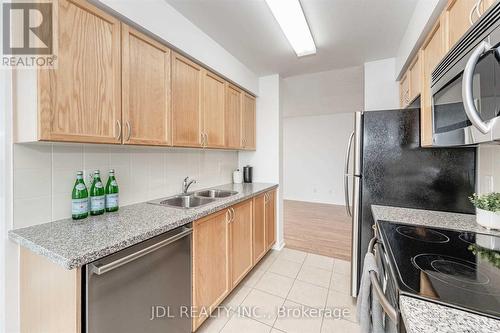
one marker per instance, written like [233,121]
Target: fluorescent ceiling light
[292,21]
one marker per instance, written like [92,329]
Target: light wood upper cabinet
[248,122]
[270,219]
[232,117]
[432,52]
[404,91]
[210,262]
[80,100]
[186,102]
[213,110]
[457,16]
[241,230]
[259,227]
[146,89]
[415,78]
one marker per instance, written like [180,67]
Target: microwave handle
[467,86]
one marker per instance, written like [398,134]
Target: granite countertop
[430,218]
[425,316]
[73,244]
[422,316]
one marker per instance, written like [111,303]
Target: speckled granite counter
[430,218]
[422,316]
[73,244]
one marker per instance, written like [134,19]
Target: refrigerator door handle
[346,175]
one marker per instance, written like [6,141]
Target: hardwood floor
[317,228]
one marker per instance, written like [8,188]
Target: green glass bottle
[97,197]
[111,192]
[79,198]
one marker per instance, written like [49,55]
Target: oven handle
[384,302]
[467,87]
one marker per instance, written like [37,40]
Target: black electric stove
[460,269]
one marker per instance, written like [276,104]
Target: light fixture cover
[292,21]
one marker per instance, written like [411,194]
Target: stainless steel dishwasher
[144,288]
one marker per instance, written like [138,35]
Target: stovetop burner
[453,271]
[460,269]
[422,234]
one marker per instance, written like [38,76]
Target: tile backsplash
[44,174]
[489,169]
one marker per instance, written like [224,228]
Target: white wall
[267,160]
[314,153]
[160,18]
[335,91]
[44,174]
[488,169]
[381,88]
[424,16]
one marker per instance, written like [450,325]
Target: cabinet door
[80,100]
[186,106]
[241,241]
[248,120]
[457,17]
[210,262]
[404,91]
[432,52]
[146,89]
[213,109]
[232,123]
[259,227]
[270,219]
[415,82]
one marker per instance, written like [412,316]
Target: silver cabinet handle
[228,214]
[232,214]
[101,269]
[384,302]
[467,89]
[346,175]
[206,139]
[202,139]
[119,125]
[129,130]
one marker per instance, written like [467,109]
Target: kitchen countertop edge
[38,246]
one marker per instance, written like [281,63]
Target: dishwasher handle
[101,269]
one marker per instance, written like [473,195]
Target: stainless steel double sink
[193,199]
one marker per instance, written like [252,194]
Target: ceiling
[347,32]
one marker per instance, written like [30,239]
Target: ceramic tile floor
[289,291]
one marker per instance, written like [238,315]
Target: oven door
[466,108]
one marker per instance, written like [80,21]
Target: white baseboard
[279,246]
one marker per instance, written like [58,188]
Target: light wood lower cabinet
[270,210]
[224,249]
[145,89]
[241,229]
[210,263]
[259,227]
[49,295]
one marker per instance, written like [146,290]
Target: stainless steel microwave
[465,87]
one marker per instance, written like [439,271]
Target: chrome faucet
[186,184]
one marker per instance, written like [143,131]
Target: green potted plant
[487,209]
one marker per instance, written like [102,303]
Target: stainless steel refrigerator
[390,168]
